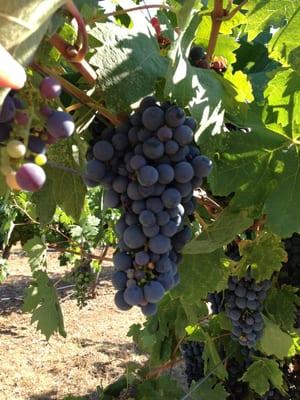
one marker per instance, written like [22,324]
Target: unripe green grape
[15,149]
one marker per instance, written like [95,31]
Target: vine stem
[216,17]
[78,253]
[125,11]
[81,96]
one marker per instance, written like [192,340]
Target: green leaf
[286,196]
[41,299]
[286,40]
[209,272]
[36,251]
[274,341]
[268,372]
[264,254]
[29,21]
[64,186]
[280,306]
[263,14]
[162,388]
[210,389]
[229,223]
[202,90]
[212,360]
[127,64]
[283,96]
[161,333]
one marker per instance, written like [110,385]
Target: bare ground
[95,351]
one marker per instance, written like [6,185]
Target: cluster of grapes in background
[194,364]
[290,272]
[197,58]
[150,167]
[239,296]
[26,134]
[243,303]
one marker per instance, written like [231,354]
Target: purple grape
[137,162]
[147,175]
[122,261]
[153,118]
[147,218]
[50,88]
[171,147]
[202,166]
[183,135]
[166,173]
[30,177]
[36,144]
[133,295]
[142,258]
[171,198]
[164,134]
[154,292]
[120,302]
[153,149]
[8,110]
[119,280]
[175,116]
[111,199]
[5,130]
[183,172]
[159,244]
[151,231]
[149,309]
[133,237]
[103,150]
[60,125]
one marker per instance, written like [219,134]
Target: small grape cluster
[26,145]
[149,166]
[238,390]
[197,58]
[243,304]
[290,272]
[83,277]
[194,364]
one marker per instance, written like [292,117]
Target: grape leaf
[161,333]
[162,388]
[202,89]
[261,159]
[210,389]
[286,196]
[64,186]
[268,372]
[41,299]
[127,64]
[209,273]
[280,306]
[36,251]
[263,14]
[286,40]
[283,96]
[274,341]
[212,360]
[228,224]
[29,21]
[265,254]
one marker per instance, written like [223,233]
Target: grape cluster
[197,58]
[25,144]
[243,304]
[83,277]
[290,272]
[149,166]
[194,364]
[238,390]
